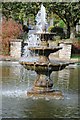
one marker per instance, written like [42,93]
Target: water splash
[34,39]
[15,93]
[41,19]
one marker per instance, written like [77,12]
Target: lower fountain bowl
[44,67]
[43,85]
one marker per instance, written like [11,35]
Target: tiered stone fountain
[42,65]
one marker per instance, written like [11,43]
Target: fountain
[38,58]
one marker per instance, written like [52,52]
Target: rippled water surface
[16,104]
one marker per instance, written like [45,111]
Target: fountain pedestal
[42,84]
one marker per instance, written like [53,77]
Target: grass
[75,56]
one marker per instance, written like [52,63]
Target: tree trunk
[68,30]
[72,32]
[51,21]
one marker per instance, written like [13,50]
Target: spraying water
[41,19]
[34,39]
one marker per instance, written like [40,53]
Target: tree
[68,12]
[20,10]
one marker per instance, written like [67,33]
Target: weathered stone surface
[15,49]
[65,52]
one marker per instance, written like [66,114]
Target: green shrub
[61,24]
[50,28]
[58,30]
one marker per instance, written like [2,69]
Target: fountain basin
[44,50]
[43,83]
[43,67]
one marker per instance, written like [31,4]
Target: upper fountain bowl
[44,50]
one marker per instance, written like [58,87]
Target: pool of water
[15,81]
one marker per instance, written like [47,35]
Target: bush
[50,28]
[10,30]
[59,31]
[61,24]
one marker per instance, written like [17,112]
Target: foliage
[67,11]
[61,24]
[10,30]
[75,55]
[50,28]
[59,31]
[20,10]
[76,43]
[76,46]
